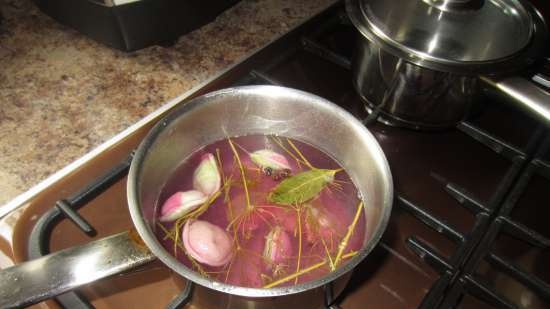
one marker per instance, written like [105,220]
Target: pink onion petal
[207,177]
[277,246]
[207,243]
[266,158]
[181,203]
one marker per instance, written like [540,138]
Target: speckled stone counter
[62,94]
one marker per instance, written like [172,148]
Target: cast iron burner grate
[457,273]
[67,209]
[504,223]
[489,219]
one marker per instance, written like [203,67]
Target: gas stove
[468,229]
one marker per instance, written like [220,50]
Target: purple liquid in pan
[266,242]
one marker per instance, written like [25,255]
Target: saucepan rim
[143,227]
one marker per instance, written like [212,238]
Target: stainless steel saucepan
[423,63]
[218,115]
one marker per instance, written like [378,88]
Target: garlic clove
[207,243]
[278,247]
[181,203]
[266,158]
[207,177]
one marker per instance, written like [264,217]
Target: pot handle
[33,281]
[532,98]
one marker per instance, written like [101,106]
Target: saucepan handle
[33,281]
[527,94]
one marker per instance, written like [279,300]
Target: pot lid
[446,31]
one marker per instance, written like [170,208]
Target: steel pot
[423,63]
[203,120]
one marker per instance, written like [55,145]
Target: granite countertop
[62,94]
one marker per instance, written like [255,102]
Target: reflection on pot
[408,95]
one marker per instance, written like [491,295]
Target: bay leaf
[301,187]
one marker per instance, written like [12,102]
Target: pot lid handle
[531,98]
